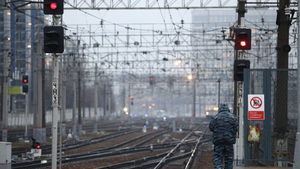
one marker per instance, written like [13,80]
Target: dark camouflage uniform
[224,127]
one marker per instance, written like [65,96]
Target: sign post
[256,107]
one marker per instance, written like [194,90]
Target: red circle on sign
[257,104]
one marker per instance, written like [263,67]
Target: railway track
[112,128]
[136,145]
[173,155]
[96,153]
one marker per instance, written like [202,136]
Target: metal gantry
[152,4]
[166,4]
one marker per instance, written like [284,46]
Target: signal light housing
[25,79]
[25,84]
[35,144]
[151,80]
[53,7]
[53,39]
[25,88]
[242,39]
[239,66]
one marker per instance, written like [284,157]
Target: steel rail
[162,161]
[193,154]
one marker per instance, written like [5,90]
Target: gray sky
[138,16]
[127,16]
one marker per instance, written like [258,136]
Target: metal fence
[278,130]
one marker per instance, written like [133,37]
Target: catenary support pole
[194,98]
[219,90]
[104,100]
[63,98]
[296,163]
[74,100]
[79,100]
[96,100]
[5,89]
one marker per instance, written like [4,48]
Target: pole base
[79,129]
[296,163]
[74,132]
[95,128]
[63,129]
[4,135]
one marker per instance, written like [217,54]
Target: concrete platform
[262,167]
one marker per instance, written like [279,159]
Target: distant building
[24,29]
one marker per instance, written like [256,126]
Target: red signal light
[25,79]
[151,78]
[38,146]
[243,43]
[53,6]
[131,100]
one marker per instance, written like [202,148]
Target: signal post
[242,42]
[54,43]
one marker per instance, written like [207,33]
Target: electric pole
[281,91]
[74,100]
[283,48]
[79,100]
[5,84]
[96,100]
[104,99]
[296,163]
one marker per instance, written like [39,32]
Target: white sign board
[36,152]
[256,107]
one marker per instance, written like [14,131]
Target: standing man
[224,127]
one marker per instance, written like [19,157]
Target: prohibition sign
[255,102]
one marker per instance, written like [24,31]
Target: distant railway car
[211,110]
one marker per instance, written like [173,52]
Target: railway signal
[151,80]
[25,84]
[131,101]
[242,39]
[35,144]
